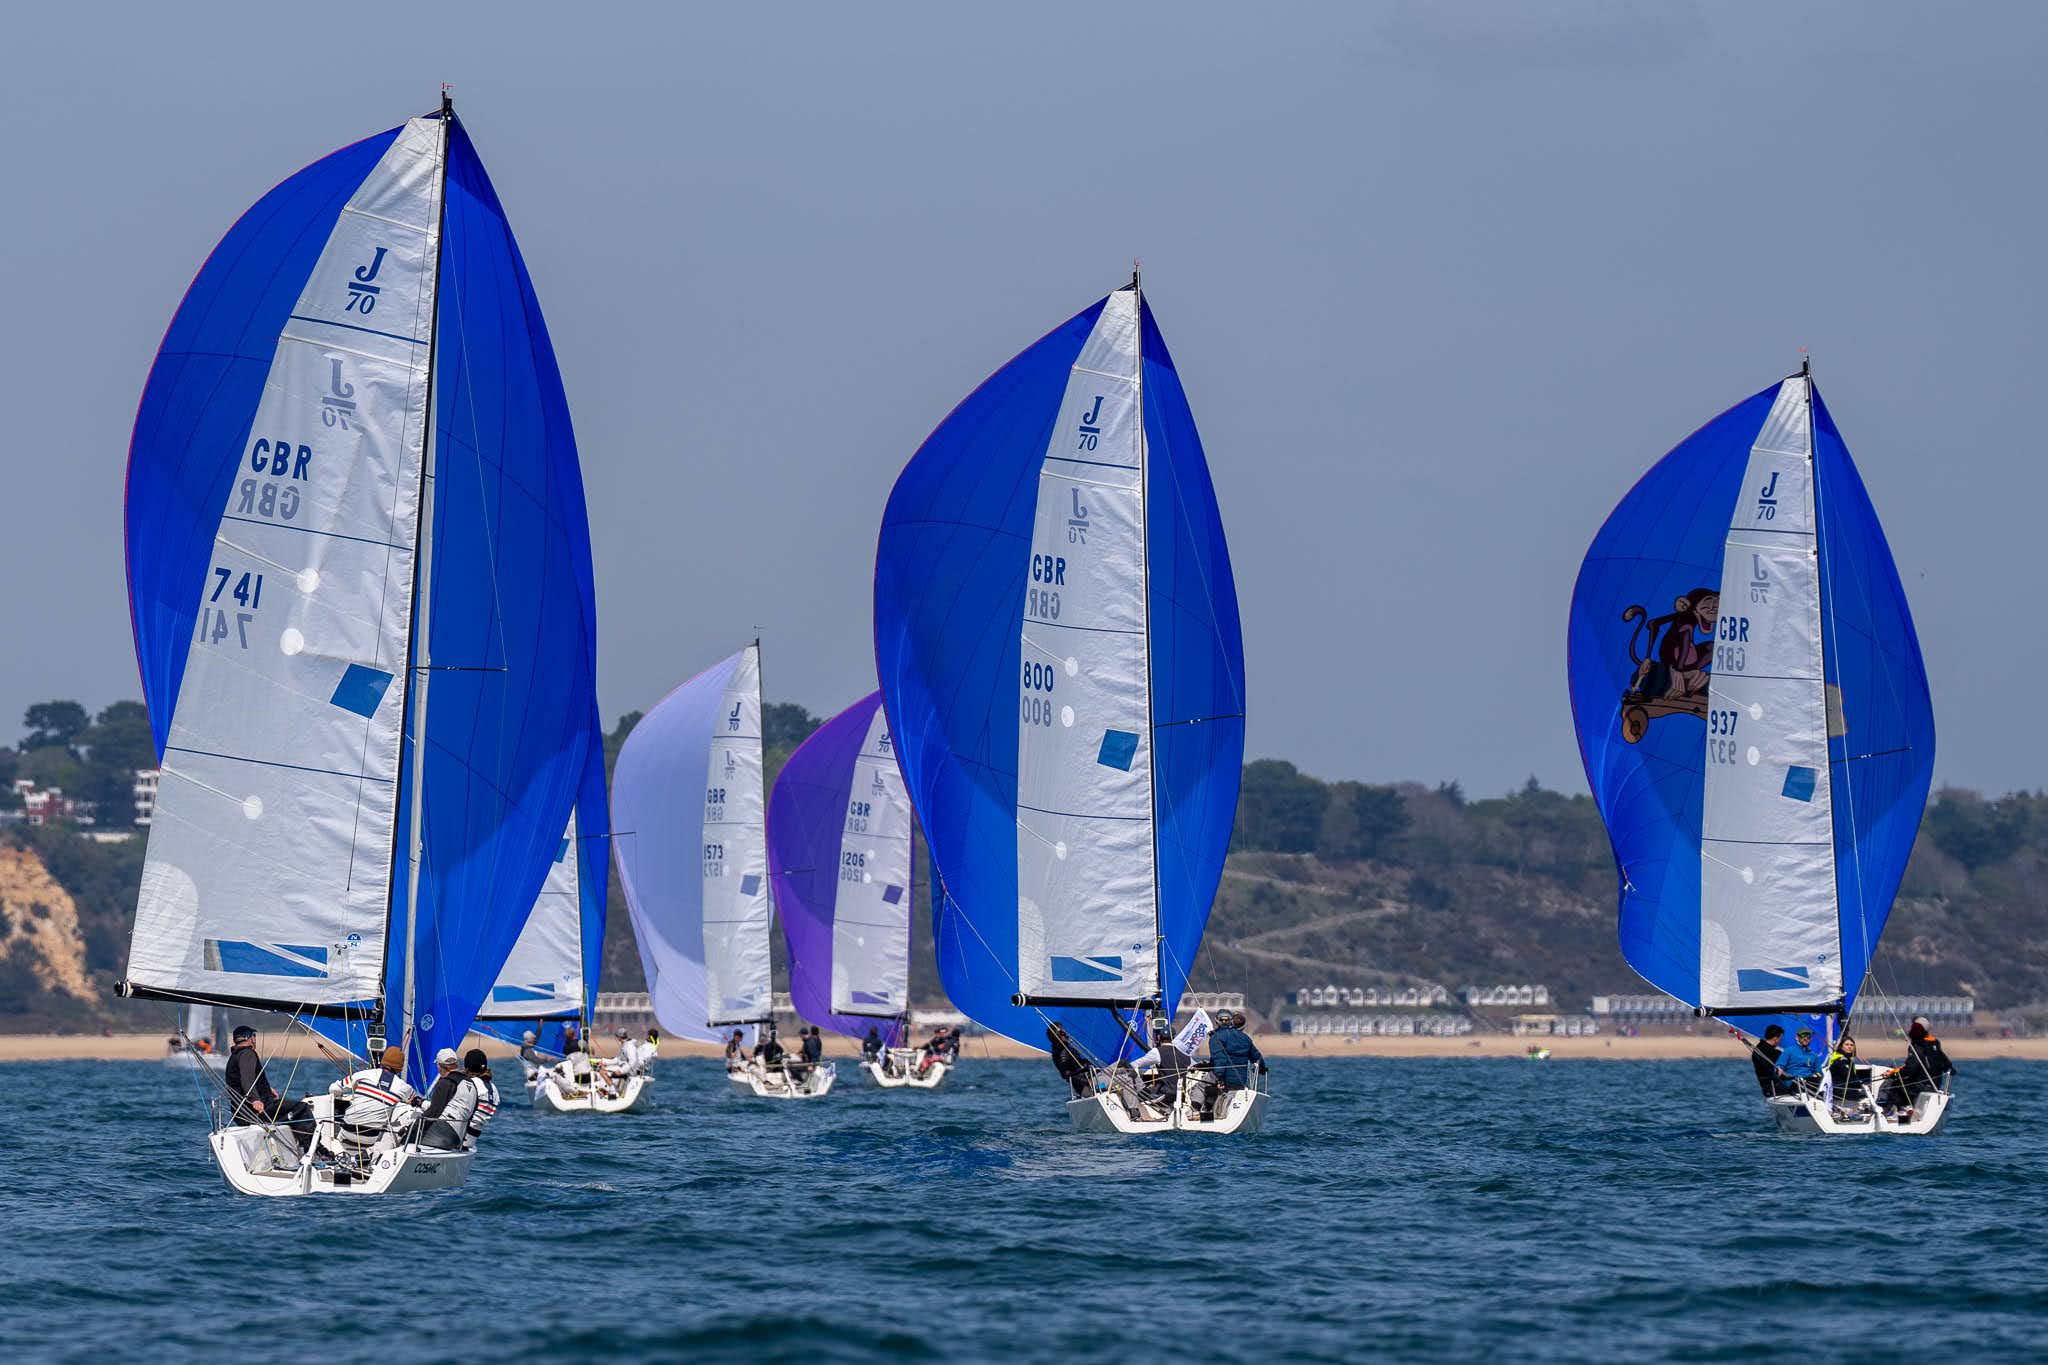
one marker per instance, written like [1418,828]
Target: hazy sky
[1441,281]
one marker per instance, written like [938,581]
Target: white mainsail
[871,907]
[1087,924]
[1769,927]
[268,875]
[543,976]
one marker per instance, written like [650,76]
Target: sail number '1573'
[1038,682]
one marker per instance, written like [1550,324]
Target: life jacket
[486,1106]
[372,1098]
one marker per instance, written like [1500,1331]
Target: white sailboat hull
[255,1161]
[775,1085]
[553,1093]
[191,1060]
[1242,1111]
[1805,1115]
[906,1075]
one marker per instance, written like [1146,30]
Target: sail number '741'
[218,618]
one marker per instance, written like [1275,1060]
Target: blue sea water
[1403,1210]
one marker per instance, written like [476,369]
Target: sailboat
[1761,748]
[691,844]
[359,574]
[549,982]
[1057,638]
[840,860]
[196,1045]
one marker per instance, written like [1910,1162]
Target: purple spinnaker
[808,822]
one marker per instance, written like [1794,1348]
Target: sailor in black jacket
[255,1099]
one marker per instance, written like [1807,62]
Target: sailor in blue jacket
[1802,1063]
[1232,1053]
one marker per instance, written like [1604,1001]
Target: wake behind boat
[316,551]
[1064,675]
[1761,750]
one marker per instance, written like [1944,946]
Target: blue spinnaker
[507,725]
[953,566]
[1648,612]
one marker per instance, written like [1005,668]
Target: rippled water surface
[1398,1209]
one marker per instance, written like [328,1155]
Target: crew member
[1764,1057]
[871,1046]
[1232,1055]
[1926,1068]
[370,1102]
[1167,1064]
[1067,1060]
[734,1046]
[255,1100]
[1802,1063]
[529,1058]
[479,1068]
[450,1105]
[1842,1074]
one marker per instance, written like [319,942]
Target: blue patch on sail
[265,959]
[1800,783]
[891,895]
[750,884]
[1088,968]
[361,690]
[562,851]
[870,998]
[512,995]
[1119,747]
[1775,979]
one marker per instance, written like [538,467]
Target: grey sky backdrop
[1442,280]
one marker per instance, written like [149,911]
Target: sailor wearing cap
[372,1102]
[450,1103]
[255,1100]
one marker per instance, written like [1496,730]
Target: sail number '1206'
[1038,681]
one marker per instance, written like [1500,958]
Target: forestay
[1753,713]
[1077,787]
[839,855]
[274,508]
[687,813]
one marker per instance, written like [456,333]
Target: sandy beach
[34,1047]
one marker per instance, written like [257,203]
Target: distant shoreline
[142,1047]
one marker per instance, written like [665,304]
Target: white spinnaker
[871,905]
[268,875]
[658,810]
[1769,927]
[1086,920]
[736,913]
[543,976]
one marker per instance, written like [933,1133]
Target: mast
[419,662]
[1823,589]
[1145,590]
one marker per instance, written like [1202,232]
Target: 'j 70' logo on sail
[339,404]
[1759,580]
[362,295]
[1077,523]
[1767,499]
[1091,427]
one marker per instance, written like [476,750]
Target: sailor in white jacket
[375,1102]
